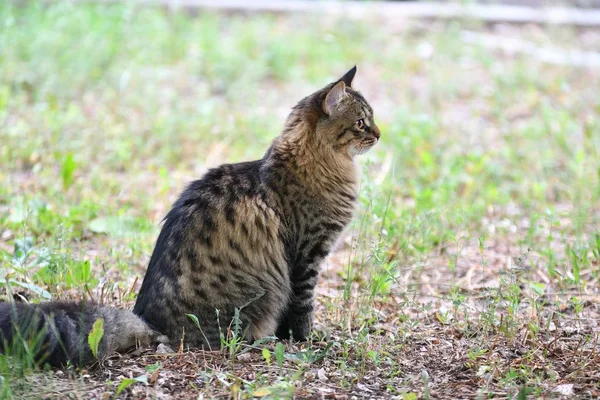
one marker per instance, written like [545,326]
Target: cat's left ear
[349,76]
[334,97]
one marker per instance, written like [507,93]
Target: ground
[471,269]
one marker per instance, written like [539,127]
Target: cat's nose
[375,131]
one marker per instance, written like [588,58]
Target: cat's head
[340,118]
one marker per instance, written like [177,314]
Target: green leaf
[23,248]
[125,383]
[266,355]
[80,273]
[280,390]
[67,170]
[30,286]
[279,354]
[96,335]
[117,226]
[309,356]
[481,240]
[524,393]
[197,323]
[194,319]
[538,288]
[154,367]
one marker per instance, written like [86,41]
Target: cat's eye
[360,124]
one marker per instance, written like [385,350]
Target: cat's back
[219,187]
[231,202]
[218,247]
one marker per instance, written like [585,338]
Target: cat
[56,333]
[245,241]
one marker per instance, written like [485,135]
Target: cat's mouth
[364,146]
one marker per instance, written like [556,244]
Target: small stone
[322,376]
[164,349]
[565,389]
[244,357]
[569,330]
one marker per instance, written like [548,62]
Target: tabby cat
[247,238]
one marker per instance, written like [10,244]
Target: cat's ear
[349,76]
[334,97]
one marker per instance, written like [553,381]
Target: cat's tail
[57,333]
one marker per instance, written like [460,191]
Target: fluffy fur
[250,236]
[57,332]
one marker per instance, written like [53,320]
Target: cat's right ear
[334,97]
[349,76]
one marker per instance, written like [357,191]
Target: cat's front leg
[296,324]
[298,317]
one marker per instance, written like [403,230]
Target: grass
[472,266]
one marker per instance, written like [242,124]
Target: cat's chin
[361,148]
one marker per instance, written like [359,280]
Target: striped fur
[57,332]
[251,236]
[254,234]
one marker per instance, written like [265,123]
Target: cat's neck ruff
[317,166]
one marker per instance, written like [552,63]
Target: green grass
[106,112]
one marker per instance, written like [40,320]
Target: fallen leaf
[262,392]
[565,389]
[322,376]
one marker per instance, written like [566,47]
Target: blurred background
[486,179]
